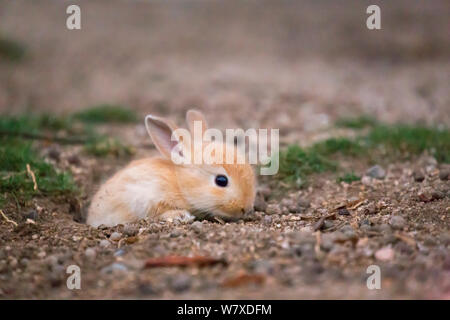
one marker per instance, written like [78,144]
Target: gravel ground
[251,59]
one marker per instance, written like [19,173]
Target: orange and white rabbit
[160,188]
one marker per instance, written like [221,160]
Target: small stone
[370,209]
[90,253]
[115,267]
[343,212]
[130,230]
[425,196]
[119,252]
[260,203]
[264,191]
[32,214]
[104,243]
[197,226]
[24,262]
[437,195]
[385,254]
[376,172]
[175,234]
[328,224]
[54,153]
[115,236]
[418,176]
[303,203]
[267,219]
[444,174]
[384,228]
[74,159]
[366,180]
[181,283]
[273,209]
[397,222]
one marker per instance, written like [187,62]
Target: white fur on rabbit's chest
[129,196]
[142,197]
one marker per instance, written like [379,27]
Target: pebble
[343,212]
[376,172]
[303,203]
[175,234]
[267,219]
[273,209]
[74,159]
[197,226]
[328,224]
[54,153]
[418,176]
[385,254]
[104,243]
[260,203]
[32,214]
[119,252]
[90,253]
[444,175]
[115,267]
[181,283]
[366,180]
[115,236]
[370,209]
[397,222]
[264,191]
[130,230]
[384,228]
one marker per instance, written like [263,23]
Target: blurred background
[239,61]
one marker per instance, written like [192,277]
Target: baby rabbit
[160,188]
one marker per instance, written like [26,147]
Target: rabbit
[160,188]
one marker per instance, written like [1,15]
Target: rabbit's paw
[179,215]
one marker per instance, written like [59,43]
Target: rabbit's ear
[161,130]
[193,117]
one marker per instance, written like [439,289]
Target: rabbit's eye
[221,180]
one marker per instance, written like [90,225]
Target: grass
[348,177]
[16,150]
[380,143]
[15,154]
[356,123]
[77,127]
[11,50]
[297,163]
[106,113]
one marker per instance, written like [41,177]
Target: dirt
[281,66]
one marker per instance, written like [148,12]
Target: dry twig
[7,219]
[33,177]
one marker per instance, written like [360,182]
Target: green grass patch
[15,154]
[348,177]
[333,146]
[380,143]
[359,122]
[402,140]
[62,129]
[297,163]
[106,113]
[11,50]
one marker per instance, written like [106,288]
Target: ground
[297,67]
